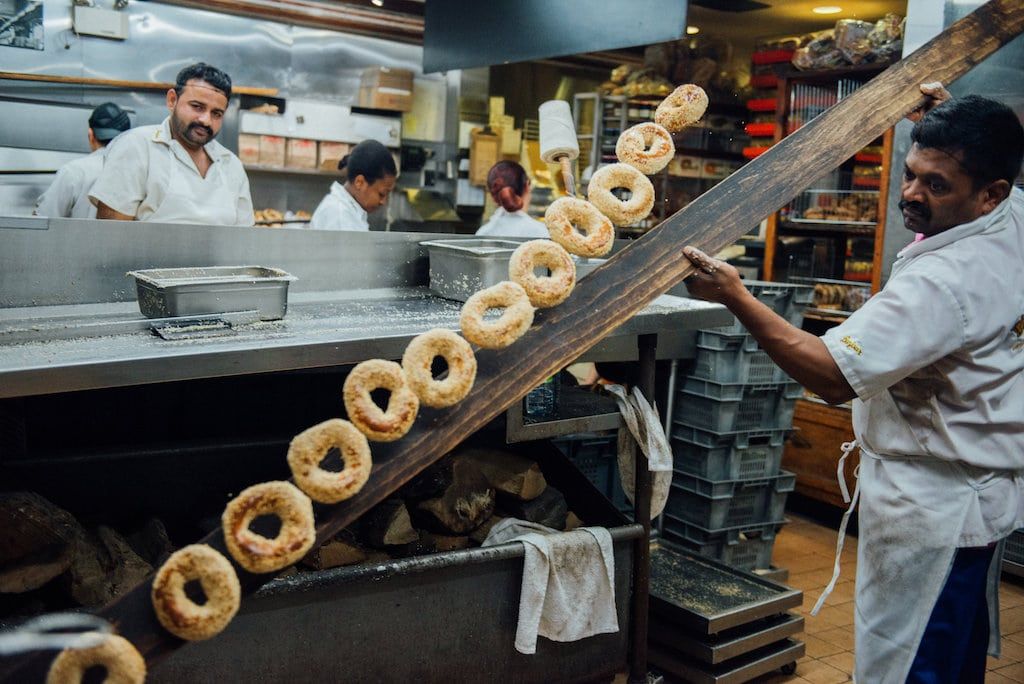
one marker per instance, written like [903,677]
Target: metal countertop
[321,329]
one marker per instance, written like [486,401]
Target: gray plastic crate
[734,407]
[729,456]
[745,548]
[1014,551]
[729,503]
[786,299]
[737,364]
[595,456]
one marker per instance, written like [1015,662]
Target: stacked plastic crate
[731,416]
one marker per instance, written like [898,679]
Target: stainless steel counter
[321,329]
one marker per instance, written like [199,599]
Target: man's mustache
[915,207]
[209,131]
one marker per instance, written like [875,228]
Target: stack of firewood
[451,505]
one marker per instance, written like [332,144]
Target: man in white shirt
[176,172]
[934,364]
[68,195]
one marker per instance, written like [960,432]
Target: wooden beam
[129,85]
[619,289]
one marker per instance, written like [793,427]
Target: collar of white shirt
[343,195]
[994,220]
[213,148]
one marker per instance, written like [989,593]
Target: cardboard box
[330,153]
[300,153]
[272,150]
[249,148]
[484,152]
[386,88]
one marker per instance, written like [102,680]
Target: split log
[466,503]
[509,473]
[152,542]
[104,567]
[340,551]
[548,509]
[388,524]
[443,542]
[36,539]
[572,522]
[479,534]
[431,483]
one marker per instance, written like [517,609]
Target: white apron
[912,511]
[207,201]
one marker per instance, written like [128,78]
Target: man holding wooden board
[934,364]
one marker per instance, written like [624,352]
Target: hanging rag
[847,448]
[645,429]
[568,590]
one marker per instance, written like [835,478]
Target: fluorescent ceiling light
[692,30]
[378,3]
[824,9]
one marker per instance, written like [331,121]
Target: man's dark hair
[369,159]
[984,135]
[201,71]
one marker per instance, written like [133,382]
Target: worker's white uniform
[339,210]
[936,360]
[513,224]
[68,195]
[150,176]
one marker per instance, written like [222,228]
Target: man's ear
[172,98]
[994,194]
[360,182]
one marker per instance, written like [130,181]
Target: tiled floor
[807,550]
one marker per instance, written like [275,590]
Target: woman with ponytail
[510,187]
[370,177]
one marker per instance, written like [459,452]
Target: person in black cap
[68,195]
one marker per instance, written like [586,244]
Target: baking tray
[706,597]
[718,648]
[191,291]
[783,655]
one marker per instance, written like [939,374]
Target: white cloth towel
[645,427]
[568,590]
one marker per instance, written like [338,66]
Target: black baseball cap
[108,121]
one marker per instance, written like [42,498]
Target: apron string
[848,448]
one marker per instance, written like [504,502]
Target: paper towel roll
[557,132]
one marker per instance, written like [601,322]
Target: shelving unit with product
[705,153]
[831,237]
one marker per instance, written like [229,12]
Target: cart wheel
[789,668]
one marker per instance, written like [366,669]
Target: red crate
[771,56]
[751,152]
[760,130]
[764,104]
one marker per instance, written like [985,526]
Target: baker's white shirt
[68,195]
[937,361]
[339,210]
[513,224]
[150,176]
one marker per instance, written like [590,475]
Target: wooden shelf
[260,168]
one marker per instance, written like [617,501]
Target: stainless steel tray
[191,291]
[718,648]
[782,655]
[458,268]
[706,597]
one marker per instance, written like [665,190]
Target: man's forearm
[802,355]
[105,212]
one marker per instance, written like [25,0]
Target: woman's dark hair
[985,136]
[507,182]
[201,71]
[369,159]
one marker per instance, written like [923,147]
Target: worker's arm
[105,212]
[800,354]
